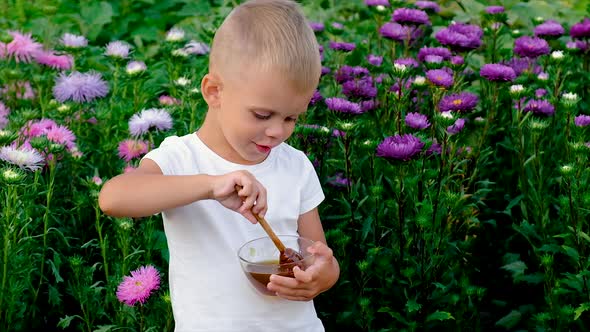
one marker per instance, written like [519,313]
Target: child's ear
[211,89]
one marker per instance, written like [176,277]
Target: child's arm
[146,191]
[319,277]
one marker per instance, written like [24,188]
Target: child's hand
[306,285]
[251,196]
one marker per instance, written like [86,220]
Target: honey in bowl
[259,259]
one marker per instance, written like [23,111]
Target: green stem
[102,242]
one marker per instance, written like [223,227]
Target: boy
[264,67]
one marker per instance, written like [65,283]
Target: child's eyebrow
[271,111]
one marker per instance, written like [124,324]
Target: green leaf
[571,252]
[94,15]
[393,314]
[439,315]
[580,310]
[105,328]
[510,320]
[65,322]
[517,268]
[413,306]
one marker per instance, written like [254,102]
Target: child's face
[257,112]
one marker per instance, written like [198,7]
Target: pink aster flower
[62,135]
[37,128]
[21,90]
[141,123]
[55,61]
[130,149]
[166,100]
[139,286]
[22,47]
[4,111]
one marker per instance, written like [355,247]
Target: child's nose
[275,131]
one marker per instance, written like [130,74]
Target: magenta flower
[428,5]
[493,10]
[377,3]
[62,135]
[497,72]
[317,26]
[79,87]
[55,61]
[400,148]
[445,53]
[440,77]
[22,47]
[408,62]
[139,286]
[343,106]
[550,28]
[581,30]
[531,47]
[363,88]
[457,127]
[130,149]
[395,31]
[375,60]
[582,120]
[141,123]
[460,36]
[340,46]
[458,102]
[410,16]
[539,107]
[417,121]
[316,98]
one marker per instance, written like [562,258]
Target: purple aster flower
[539,107]
[428,5]
[79,87]
[460,36]
[550,28]
[69,40]
[4,111]
[458,102]
[139,286]
[520,65]
[582,120]
[117,49]
[497,72]
[343,106]
[457,60]
[417,121]
[347,73]
[531,47]
[375,60]
[581,30]
[431,58]
[588,144]
[410,16]
[339,181]
[317,26]
[435,148]
[402,148]
[369,105]
[337,26]
[377,3]
[440,77]
[141,123]
[316,98]
[395,31]
[196,48]
[325,70]
[440,51]
[344,47]
[540,93]
[492,10]
[24,157]
[457,127]
[362,88]
[408,62]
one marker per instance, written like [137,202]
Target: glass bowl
[259,259]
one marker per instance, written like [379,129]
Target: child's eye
[291,119]
[261,116]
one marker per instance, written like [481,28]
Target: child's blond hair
[268,35]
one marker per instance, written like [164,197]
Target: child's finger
[260,201]
[302,276]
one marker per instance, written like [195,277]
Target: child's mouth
[262,148]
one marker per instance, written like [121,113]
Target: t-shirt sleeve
[170,155]
[311,192]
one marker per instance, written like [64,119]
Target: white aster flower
[174,35]
[22,157]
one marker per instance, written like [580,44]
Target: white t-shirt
[209,291]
